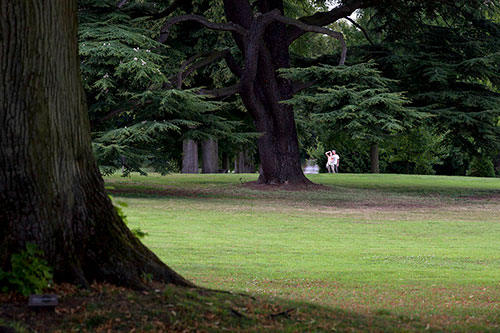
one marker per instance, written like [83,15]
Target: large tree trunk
[189,156]
[210,156]
[374,158]
[51,192]
[278,144]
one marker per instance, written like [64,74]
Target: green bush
[481,166]
[29,272]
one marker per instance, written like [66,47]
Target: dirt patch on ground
[486,197]
[286,187]
[162,192]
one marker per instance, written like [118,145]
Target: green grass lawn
[400,246]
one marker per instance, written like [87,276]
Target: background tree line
[418,93]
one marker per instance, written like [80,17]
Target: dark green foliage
[415,152]
[447,59]
[356,99]
[355,103]
[138,119]
[481,166]
[28,274]
[443,55]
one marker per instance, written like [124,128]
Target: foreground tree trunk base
[51,191]
[123,260]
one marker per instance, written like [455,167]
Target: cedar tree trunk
[51,192]
[278,144]
[210,156]
[189,156]
[264,36]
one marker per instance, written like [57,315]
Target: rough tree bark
[189,156]
[51,192]
[264,37]
[210,156]
[374,158]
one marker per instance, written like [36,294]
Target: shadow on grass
[169,308]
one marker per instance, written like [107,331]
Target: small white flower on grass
[143,62]
[135,58]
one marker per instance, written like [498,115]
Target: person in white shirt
[335,161]
[332,165]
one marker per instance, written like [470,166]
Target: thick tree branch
[239,11]
[208,58]
[363,30]
[298,86]
[253,43]
[180,77]
[233,65]
[165,30]
[222,92]
[110,115]
[321,30]
[326,18]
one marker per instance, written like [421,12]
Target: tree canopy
[443,56]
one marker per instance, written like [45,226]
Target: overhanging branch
[165,30]
[313,28]
[208,58]
[326,18]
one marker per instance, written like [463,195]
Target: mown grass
[424,248]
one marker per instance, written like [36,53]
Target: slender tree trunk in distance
[189,156]
[51,192]
[244,163]
[210,156]
[374,158]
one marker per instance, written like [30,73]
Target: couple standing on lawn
[332,165]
